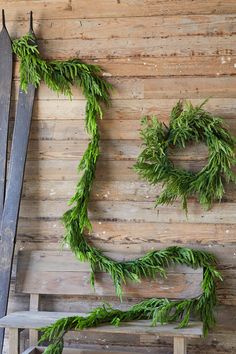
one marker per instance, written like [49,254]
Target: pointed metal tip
[31,21]
[3,18]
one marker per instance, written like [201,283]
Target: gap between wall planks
[168,50]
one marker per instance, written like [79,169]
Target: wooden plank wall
[154,52]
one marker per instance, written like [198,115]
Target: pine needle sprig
[60,77]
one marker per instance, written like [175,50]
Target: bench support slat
[180,345]
[14,334]
[33,337]
[34,306]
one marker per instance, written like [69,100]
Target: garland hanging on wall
[188,124]
[60,76]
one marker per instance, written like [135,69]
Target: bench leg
[14,345]
[180,345]
[34,306]
[33,337]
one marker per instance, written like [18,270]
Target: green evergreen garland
[187,124]
[60,76]
[159,311]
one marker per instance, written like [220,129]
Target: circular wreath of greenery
[187,124]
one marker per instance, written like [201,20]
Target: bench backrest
[60,273]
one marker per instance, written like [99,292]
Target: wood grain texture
[154,47]
[5,97]
[136,27]
[123,107]
[154,53]
[105,8]
[177,88]
[163,66]
[111,129]
[107,170]
[60,273]
[135,211]
[10,213]
[48,232]
[13,341]
[180,346]
[160,90]
[102,190]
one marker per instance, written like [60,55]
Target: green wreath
[187,124]
[60,76]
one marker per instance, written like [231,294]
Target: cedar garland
[60,76]
[158,311]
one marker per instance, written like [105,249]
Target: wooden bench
[59,273]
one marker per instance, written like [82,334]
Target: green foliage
[159,311]
[60,76]
[188,124]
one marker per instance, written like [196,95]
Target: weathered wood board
[60,273]
[106,8]
[40,319]
[5,96]
[10,214]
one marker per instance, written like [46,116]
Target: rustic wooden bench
[59,273]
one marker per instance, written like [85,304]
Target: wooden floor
[154,52]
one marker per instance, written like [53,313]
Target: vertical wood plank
[34,306]
[10,214]
[180,345]
[5,95]
[34,302]
[8,227]
[13,341]
[33,337]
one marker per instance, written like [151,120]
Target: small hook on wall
[31,22]
[3,18]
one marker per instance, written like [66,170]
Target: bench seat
[60,273]
[33,319]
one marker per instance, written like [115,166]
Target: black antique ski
[11,207]
[5,97]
